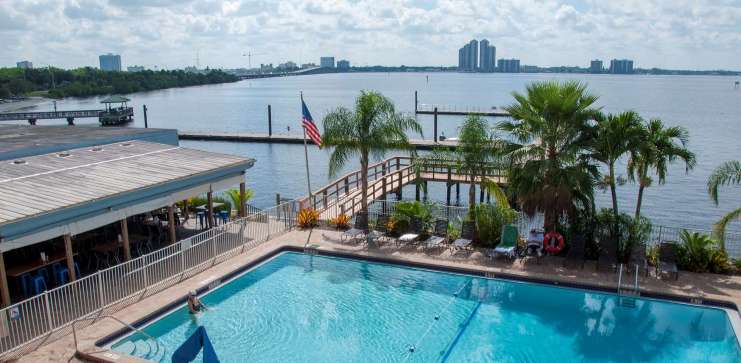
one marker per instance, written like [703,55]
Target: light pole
[53,84]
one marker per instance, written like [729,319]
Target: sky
[673,34]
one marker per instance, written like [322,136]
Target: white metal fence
[46,317]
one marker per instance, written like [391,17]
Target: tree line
[90,81]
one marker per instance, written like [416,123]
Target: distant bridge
[305,71]
[344,195]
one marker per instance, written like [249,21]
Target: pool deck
[707,286]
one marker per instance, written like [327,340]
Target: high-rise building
[326,62]
[110,62]
[343,64]
[487,56]
[473,60]
[595,66]
[135,68]
[24,64]
[508,65]
[621,66]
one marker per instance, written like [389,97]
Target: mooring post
[145,116]
[481,195]
[415,101]
[458,191]
[32,121]
[416,192]
[435,125]
[270,122]
[70,121]
[449,184]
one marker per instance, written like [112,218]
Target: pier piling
[435,140]
[270,122]
[144,107]
[415,101]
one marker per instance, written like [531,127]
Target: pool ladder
[626,297]
[145,349]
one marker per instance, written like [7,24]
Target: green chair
[508,244]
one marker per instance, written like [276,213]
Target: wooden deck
[283,139]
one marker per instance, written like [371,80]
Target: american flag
[310,126]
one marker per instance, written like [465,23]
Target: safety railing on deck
[46,317]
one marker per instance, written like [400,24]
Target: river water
[708,106]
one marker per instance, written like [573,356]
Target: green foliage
[728,173]
[372,128]
[5,93]
[551,125]
[490,220]
[404,211]
[453,232]
[90,81]
[696,252]
[235,196]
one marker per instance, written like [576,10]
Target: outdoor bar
[77,210]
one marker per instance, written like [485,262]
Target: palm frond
[728,173]
[719,229]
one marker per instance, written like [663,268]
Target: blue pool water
[304,308]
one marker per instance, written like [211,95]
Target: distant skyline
[695,35]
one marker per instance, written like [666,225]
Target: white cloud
[168,33]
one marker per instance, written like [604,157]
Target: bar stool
[64,274]
[216,219]
[27,286]
[224,216]
[56,267]
[201,215]
[44,273]
[38,283]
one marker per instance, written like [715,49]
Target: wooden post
[70,257]
[243,199]
[347,185]
[415,101]
[171,222]
[277,199]
[210,196]
[435,140]
[449,184]
[458,191]
[186,214]
[144,107]
[270,122]
[481,195]
[4,291]
[125,237]
[416,193]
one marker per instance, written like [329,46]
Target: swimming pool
[306,308]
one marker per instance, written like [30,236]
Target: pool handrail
[74,332]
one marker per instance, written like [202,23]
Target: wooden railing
[387,176]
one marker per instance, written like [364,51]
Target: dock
[283,139]
[427,109]
[105,117]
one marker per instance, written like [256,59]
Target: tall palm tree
[477,152]
[372,128]
[616,135]
[728,173]
[662,147]
[551,125]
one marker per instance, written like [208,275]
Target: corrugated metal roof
[45,183]
[115,99]
[25,140]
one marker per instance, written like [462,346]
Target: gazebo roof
[115,99]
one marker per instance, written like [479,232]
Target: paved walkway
[718,287]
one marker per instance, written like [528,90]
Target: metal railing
[659,233]
[96,318]
[454,108]
[49,316]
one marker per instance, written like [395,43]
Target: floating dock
[283,139]
[462,112]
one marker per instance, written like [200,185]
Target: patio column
[185,215]
[171,222]
[4,291]
[243,199]
[210,208]
[125,237]
[70,257]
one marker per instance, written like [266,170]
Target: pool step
[142,349]
[627,302]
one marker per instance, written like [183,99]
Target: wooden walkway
[283,139]
[345,194]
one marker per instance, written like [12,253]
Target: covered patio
[71,213]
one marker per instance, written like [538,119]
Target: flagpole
[306,154]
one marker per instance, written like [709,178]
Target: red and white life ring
[547,242]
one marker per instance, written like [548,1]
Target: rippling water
[302,308]
[707,106]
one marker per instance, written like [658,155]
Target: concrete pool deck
[705,286]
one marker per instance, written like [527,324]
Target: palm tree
[551,127]
[662,147]
[477,152]
[616,135]
[373,127]
[236,197]
[728,173]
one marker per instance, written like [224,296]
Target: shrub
[489,222]
[695,252]
[307,218]
[341,221]
[404,211]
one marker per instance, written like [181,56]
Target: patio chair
[413,232]
[668,259]
[439,236]
[360,228]
[468,231]
[576,251]
[379,233]
[638,257]
[608,253]
[508,245]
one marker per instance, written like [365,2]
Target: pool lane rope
[437,318]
